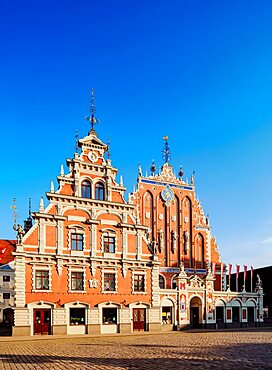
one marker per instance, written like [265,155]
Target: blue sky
[197,71]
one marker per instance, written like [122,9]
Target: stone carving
[186,241]
[196,282]
[20,232]
[160,240]
[173,240]
[259,283]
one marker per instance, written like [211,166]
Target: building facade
[95,263]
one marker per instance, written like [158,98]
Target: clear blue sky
[197,71]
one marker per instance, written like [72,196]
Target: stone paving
[239,349]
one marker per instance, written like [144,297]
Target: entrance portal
[42,321]
[139,316]
[195,312]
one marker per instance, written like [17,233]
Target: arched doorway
[195,312]
[167,314]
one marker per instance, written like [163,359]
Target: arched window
[86,189]
[174,282]
[161,282]
[99,191]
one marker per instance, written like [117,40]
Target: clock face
[93,157]
[167,195]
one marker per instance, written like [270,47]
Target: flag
[237,276]
[251,277]
[230,268]
[222,271]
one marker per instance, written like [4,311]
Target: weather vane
[166,150]
[108,150]
[76,137]
[14,207]
[92,118]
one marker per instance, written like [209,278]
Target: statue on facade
[173,240]
[154,246]
[20,232]
[186,241]
[160,240]
[259,283]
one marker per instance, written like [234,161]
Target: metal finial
[76,137]
[166,150]
[153,167]
[108,150]
[180,172]
[14,207]
[92,118]
[29,207]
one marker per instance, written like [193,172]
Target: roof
[6,249]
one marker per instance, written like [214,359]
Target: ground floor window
[250,314]
[77,316]
[167,315]
[109,316]
[219,314]
[235,314]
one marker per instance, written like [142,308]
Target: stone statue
[160,239]
[173,240]
[186,241]
[154,245]
[259,282]
[20,232]
[148,235]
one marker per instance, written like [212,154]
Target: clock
[93,157]
[167,195]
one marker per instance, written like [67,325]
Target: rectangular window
[109,282]
[76,242]
[109,316]
[77,281]
[139,280]
[6,295]
[109,244]
[77,316]
[6,278]
[42,280]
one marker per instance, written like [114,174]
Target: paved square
[183,350]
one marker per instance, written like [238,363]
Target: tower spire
[76,145]
[166,153]
[92,118]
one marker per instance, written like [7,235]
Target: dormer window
[99,191]
[86,189]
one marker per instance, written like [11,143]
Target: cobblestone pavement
[240,349]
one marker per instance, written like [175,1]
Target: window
[6,295]
[109,282]
[86,189]
[42,280]
[99,191]
[77,316]
[174,282]
[77,281]
[76,242]
[6,278]
[109,244]
[109,316]
[139,283]
[161,282]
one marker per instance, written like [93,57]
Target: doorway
[139,319]
[42,321]
[195,312]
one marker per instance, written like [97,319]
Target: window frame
[6,293]
[106,275]
[163,280]
[74,277]
[86,189]
[79,240]
[77,318]
[139,282]
[45,274]
[99,191]
[107,243]
[6,279]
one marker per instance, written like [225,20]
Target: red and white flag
[214,269]
[251,277]
[237,276]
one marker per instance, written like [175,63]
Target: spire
[14,207]
[52,190]
[92,118]
[29,207]
[28,221]
[108,150]
[41,208]
[76,145]
[166,150]
[61,170]
[153,167]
